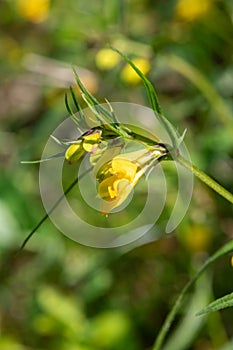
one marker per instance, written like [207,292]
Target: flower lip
[118,176]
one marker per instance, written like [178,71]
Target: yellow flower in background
[106,59]
[34,10]
[128,75]
[197,238]
[191,10]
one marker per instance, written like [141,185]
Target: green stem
[206,179]
[58,201]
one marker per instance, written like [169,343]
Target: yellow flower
[91,141]
[106,59]
[128,75]
[34,10]
[88,144]
[74,153]
[118,177]
[191,10]
[118,183]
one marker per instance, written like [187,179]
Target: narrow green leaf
[102,114]
[189,326]
[59,142]
[218,304]
[58,155]
[153,101]
[92,100]
[79,109]
[71,113]
[114,118]
[227,248]
[46,216]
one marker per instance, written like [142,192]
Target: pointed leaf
[58,155]
[218,304]
[153,100]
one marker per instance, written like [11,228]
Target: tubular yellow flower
[118,183]
[118,177]
[74,153]
[89,143]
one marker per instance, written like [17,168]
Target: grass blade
[153,101]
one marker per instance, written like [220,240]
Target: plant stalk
[45,217]
[206,179]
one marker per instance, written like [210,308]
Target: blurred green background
[57,294]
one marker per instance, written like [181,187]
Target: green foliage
[115,299]
[218,304]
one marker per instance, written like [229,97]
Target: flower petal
[106,188]
[74,153]
[123,188]
[124,168]
[91,141]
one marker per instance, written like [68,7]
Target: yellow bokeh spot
[197,238]
[191,10]
[34,10]
[106,59]
[129,76]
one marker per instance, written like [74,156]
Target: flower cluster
[116,173]
[116,168]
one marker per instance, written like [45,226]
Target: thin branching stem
[58,201]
